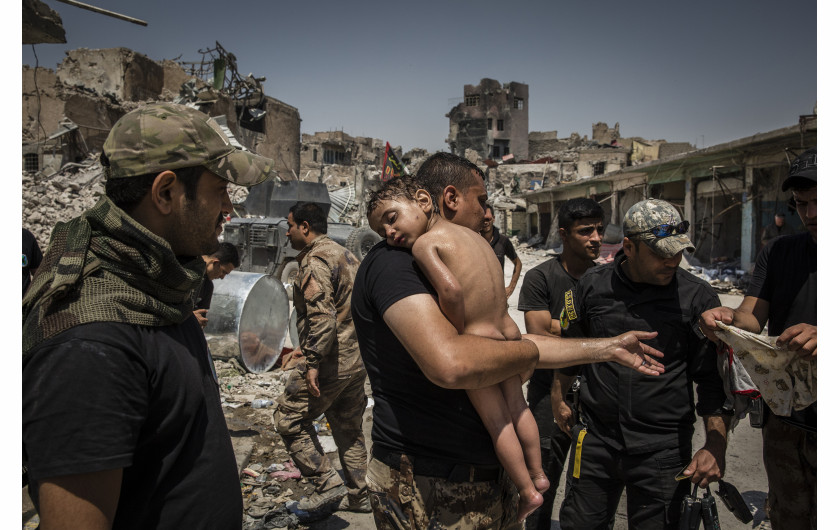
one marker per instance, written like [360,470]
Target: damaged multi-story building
[492,119]
[68,112]
[337,158]
[91,89]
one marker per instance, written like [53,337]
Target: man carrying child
[433,461]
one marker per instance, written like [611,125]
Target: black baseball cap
[803,171]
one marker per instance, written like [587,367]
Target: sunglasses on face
[587,231]
[660,231]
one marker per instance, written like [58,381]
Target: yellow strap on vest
[578,449]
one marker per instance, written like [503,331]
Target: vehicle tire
[288,275]
[360,241]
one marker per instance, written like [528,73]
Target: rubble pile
[49,199]
[272,485]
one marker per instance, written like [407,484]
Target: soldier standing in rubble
[332,380]
[122,423]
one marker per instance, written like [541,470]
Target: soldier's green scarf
[103,266]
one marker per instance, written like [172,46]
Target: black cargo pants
[598,473]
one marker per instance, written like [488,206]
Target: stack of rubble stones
[59,197]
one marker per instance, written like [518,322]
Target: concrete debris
[49,199]
[271,480]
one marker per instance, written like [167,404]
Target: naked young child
[466,275]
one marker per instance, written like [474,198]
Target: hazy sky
[700,72]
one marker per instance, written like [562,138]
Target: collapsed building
[555,162]
[68,112]
[349,165]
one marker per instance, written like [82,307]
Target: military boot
[356,504]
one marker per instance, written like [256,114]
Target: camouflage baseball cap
[803,171]
[165,136]
[650,213]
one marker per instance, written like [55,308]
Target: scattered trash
[327,443]
[285,475]
[284,471]
[260,403]
[280,518]
[250,472]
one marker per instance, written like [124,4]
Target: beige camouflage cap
[651,213]
[165,136]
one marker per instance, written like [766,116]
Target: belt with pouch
[430,467]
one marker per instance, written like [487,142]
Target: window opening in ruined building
[471,101]
[501,148]
[500,125]
[334,156]
[30,162]
[489,124]
[314,155]
[600,167]
[518,103]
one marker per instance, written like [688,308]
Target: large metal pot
[255,309]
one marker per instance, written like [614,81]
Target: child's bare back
[469,283]
[475,268]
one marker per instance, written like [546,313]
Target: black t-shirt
[785,275]
[550,287]
[205,294]
[411,414]
[637,412]
[502,247]
[104,396]
[31,257]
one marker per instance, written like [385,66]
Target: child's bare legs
[526,430]
[493,409]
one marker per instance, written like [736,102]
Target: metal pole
[104,12]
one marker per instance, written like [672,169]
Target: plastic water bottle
[260,403]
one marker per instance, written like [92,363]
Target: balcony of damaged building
[67,113]
[727,192]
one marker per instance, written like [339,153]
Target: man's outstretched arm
[451,360]
[626,349]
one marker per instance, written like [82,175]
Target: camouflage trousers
[790,459]
[343,402]
[402,500]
